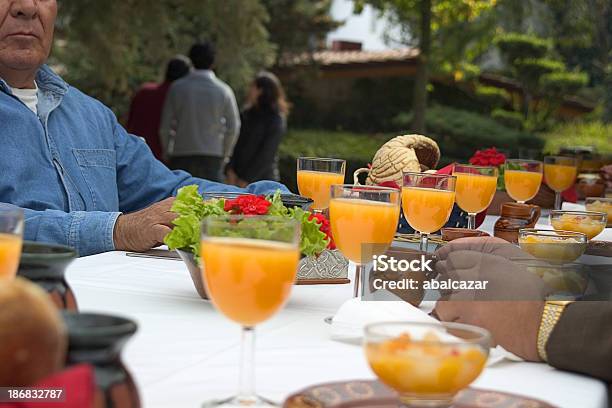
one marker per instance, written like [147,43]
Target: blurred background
[526,76]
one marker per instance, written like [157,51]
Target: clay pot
[515,216]
[451,234]
[590,185]
[45,265]
[98,340]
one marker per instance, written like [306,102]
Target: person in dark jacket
[146,108]
[263,126]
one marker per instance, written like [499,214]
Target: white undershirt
[29,97]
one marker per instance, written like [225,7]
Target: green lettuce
[192,209]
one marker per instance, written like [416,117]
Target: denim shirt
[74,169]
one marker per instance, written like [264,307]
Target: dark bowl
[289,200]
[96,338]
[44,261]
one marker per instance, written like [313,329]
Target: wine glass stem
[557,200]
[424,241]
[246,390]
[471,221]
[358,280]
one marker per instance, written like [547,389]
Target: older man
[81,179]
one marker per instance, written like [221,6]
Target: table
[185,352]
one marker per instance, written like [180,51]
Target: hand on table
[514,323]
[144,229]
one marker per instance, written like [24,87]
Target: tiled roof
[329,57]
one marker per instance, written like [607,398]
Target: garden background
[525,76]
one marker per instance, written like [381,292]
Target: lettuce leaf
[192,209]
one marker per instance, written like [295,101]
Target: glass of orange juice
[11,238]
[426,363]
[249,264]
[475,189]
[363,221]
[427,202]
[522,179]
[560,174]
[315,176]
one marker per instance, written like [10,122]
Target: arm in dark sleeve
[265,151]
[582,340]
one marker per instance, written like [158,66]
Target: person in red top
[148,103]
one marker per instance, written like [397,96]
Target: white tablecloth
[185,352]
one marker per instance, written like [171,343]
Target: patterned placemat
[373,394]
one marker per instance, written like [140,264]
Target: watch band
[550,316]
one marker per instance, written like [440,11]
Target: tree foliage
[448,33]
[299,25]
[108,48]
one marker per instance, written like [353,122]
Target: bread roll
[33,337]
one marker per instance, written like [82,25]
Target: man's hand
[513,324]
[144,229]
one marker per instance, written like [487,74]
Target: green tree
[108,48]
[297,26]
[447,33]
[543,77]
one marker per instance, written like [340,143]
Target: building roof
[334,58]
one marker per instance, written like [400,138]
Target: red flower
[488,157]
[247,205]
[325,227]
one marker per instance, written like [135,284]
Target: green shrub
[596,134]
[516,45]
[530,70]
[561,83]
[492,96]
[460,133]
[513,120]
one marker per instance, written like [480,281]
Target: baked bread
[32,334]
[402,153]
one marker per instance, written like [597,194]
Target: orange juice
[425,368]
[317,186]
[522,185]
[474,192]
[10,251]
[427,209]
[355,222]
[559,177]
[248,280]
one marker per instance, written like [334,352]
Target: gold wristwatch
[550,316]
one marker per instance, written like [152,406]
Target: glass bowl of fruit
[554,246]
[590,223]
[426,363]
[600,204]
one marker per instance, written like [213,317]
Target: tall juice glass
[522,179]
[427,201]
[11,238]
[560,174]
[363,222]
[249,265]
[315,176]
[475,189]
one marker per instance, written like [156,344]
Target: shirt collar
[48,80]
[209,73]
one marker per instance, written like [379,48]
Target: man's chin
[21,60]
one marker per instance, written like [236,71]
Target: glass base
[426,401]
[231,402]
